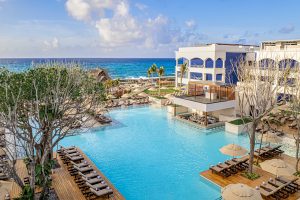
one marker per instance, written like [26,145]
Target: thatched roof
[100,74]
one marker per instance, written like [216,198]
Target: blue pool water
[116,67]
[150,155]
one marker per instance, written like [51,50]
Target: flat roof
[274,41]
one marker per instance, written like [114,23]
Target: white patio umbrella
[233,150]
[240,192]
[167,96]
[152,89]
[269,137]
[125,95]
[164,88]
[278,167]
[143,94]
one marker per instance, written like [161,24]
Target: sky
[138,28]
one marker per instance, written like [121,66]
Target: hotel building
[211,62]
[209,68]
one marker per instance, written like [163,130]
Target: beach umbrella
[110,96]
[143,94]
[240,192]
[5,188]
[278,167]
[269,137]
[152,89]
[233,150]
[125,95]
[168,96]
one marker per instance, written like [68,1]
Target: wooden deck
[67,189]
[63,183]
[238,178]
[22,172]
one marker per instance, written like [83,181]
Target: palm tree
[183,69]
[160,72]
[153,69]
[149,72]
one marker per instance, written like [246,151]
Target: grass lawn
[162,91]
[240,121]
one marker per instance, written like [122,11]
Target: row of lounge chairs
[230,167]
[279,188]
[116,104]
[268,152]
[200,119]
[91,184]
[181,93]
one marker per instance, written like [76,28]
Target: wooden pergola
[212,91]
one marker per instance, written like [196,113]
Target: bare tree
[293,90]
[256,92]
[39,108]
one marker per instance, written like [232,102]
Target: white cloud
[79,9]
[141,6]
[191,24]
[117,27]
[53,44]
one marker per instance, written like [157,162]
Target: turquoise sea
[117,67]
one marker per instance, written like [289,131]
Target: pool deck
[238,178]
[67,189]
[63,183]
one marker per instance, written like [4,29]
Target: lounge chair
[284,186]
[95,180]
[221,171]
[84,170]
[290,182]
[106,191]
[100,185]
[90,175]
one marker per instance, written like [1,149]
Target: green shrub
[250,176]
[240,121]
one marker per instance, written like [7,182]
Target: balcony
[207,97]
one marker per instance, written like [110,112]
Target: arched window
[197,62]
[209,63]
[219,63]
[266,63]
[182,60]
[288,63]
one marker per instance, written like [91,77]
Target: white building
[210,62]
[279,50]
[209,68]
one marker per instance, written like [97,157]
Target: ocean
[116,67]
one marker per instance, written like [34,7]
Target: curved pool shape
[149,155]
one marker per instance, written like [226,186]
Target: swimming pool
[149,155]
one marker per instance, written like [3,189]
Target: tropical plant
[26,194]
[160,72]
[149,72]
[37,107]
[153,69]
[183,69]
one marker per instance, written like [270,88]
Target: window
[181,61]
[219,63]
[197,62]
[219,77]
[209,63]
[209,77]
[196,76]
